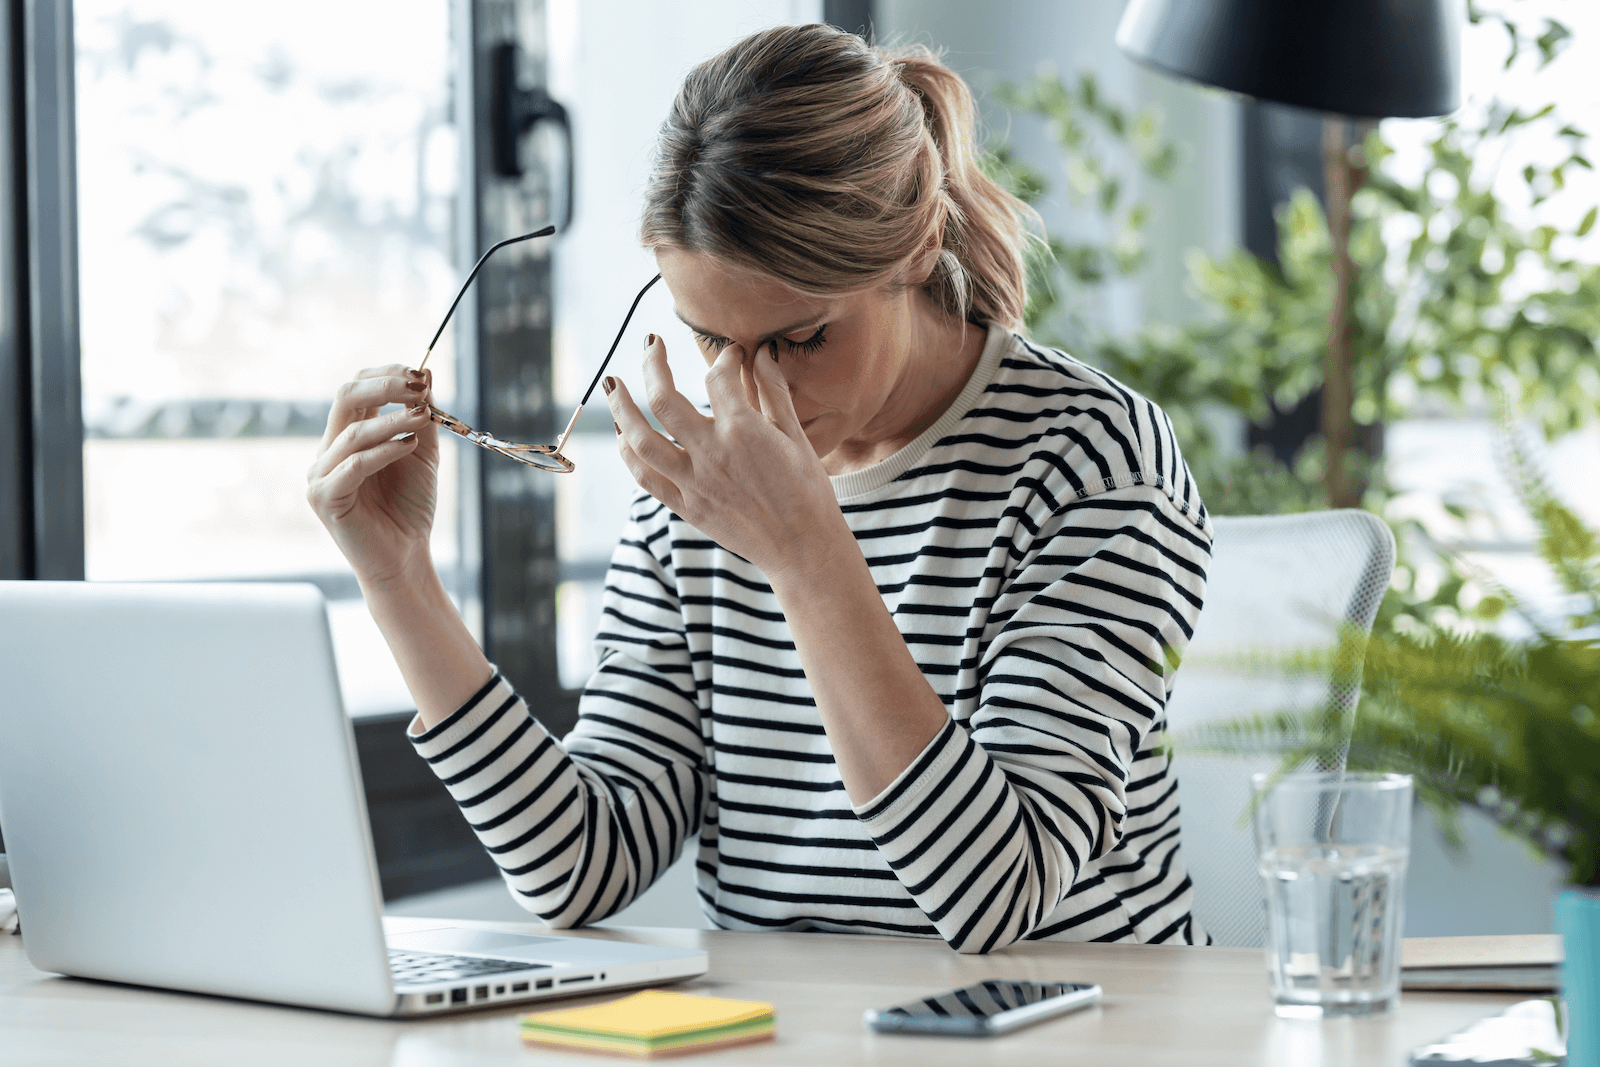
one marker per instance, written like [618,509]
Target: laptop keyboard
[427,968]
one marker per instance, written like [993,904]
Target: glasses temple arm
[562,442]
[546,232]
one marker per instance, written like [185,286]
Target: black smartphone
[993,1006]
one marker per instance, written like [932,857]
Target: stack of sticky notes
[653,1023]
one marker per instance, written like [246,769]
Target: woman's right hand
[372,488]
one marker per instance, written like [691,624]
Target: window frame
[505,339]
[41,416]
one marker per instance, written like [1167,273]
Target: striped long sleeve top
[1043,551]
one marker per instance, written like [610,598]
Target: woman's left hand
[746,477]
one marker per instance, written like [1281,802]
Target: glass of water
[1332,849]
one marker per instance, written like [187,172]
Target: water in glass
[1332,847]
[1334,913]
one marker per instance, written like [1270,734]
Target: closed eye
[810,344]
[713,343]
[706,341]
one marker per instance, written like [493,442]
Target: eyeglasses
[544,457]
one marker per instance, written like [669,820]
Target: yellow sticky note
[654,1013]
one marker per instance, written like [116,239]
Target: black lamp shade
[1361,58]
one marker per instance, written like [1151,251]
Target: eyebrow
[773,336]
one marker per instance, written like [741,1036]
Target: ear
[921,267]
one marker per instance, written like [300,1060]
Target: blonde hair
[805,154]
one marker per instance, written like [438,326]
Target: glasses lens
[544,457]
[551,460]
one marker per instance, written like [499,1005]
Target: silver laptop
[182,808]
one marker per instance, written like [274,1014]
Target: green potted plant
[1509,725]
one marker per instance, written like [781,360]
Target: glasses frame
[539,457]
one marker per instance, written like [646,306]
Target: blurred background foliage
[1462,302]
[1507,726]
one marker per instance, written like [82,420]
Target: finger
[331,493]
[427,438]
[401,371]
[774,399]
[670,407]
[725,385]
[389,370]
[365,434]
[648,478]
[748,378]
[362,397]
[382,379]
[654,448]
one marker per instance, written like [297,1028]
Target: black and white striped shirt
[1043,551]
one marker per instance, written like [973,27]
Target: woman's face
[845,358]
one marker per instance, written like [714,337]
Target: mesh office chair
[1276,583]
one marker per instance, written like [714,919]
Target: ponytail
[980,273]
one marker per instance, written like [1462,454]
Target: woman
[890,632]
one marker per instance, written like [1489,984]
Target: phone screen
[994,1006]
[985,999]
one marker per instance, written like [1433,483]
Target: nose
[760,348]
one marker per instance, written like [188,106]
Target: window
[263,211]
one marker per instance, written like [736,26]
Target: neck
[940,355]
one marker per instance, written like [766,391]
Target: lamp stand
[1342,176]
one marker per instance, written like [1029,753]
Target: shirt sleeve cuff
[882,810]
[460,726]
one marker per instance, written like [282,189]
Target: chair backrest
[1276,583]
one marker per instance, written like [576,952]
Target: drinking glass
[1332,849]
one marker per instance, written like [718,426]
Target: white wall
[1492,886]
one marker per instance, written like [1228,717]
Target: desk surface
[1163,1005]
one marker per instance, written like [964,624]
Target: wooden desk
[1162,1006]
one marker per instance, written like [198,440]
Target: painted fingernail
[649,339]
[617,428]
[414,374]
[406,437]
[416,410]
[608,383]
[417,387]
